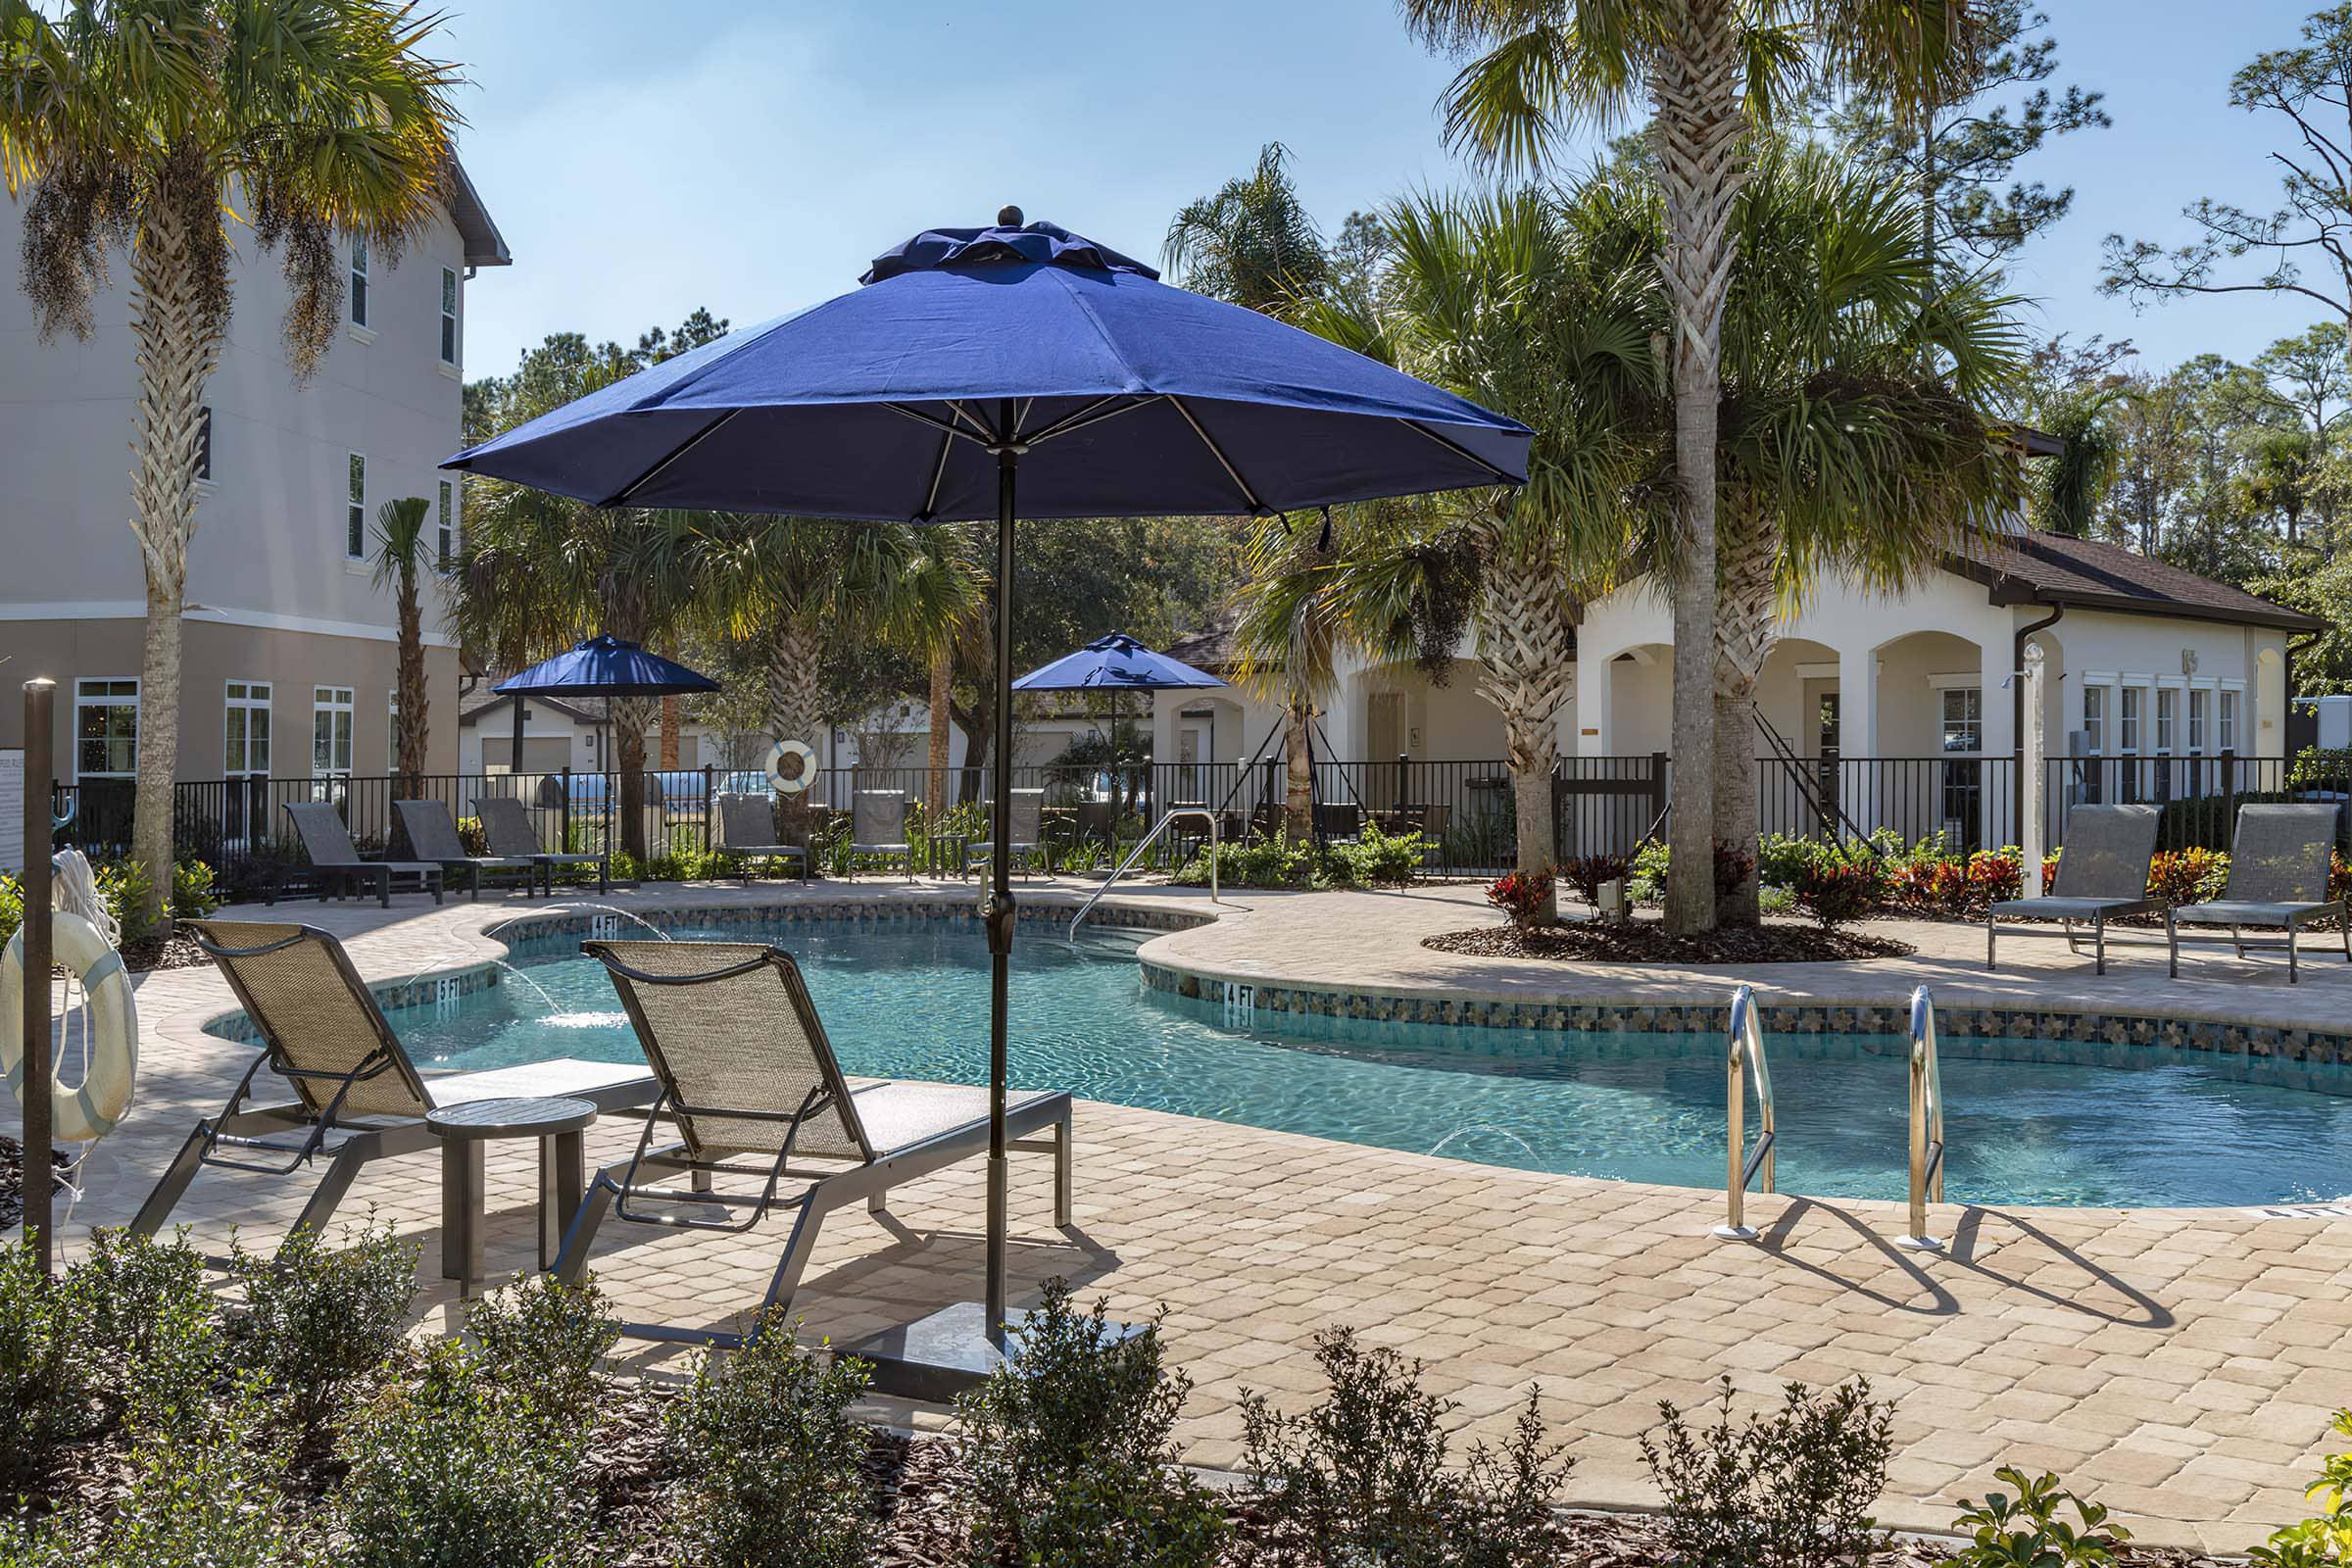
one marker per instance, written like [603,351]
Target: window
[446,528]
[106,728]
[1963,718]
[2127,719]
[358,281]
[246,748]
[2198,704]
[331,731]
[449,317]
[355,509]
[2227,737]
[2094,718]
[2168,706]
[204,445]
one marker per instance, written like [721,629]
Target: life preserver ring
[90,1111]
[800,776]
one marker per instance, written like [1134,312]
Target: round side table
[557,1122]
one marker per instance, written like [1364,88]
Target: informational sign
[12,809]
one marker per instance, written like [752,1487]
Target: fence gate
[1607,804]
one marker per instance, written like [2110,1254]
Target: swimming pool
[2028,1121]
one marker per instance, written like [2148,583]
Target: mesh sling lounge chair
[336,859]
[1029,826]
[751,1083]
[2278,877]
[2102,873]
[506,824]
[432,836]
[878,826]
[322,1033]
[747,832]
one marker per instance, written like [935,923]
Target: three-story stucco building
[290,649]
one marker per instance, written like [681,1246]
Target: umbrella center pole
[997,913]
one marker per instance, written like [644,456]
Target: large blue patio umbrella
[985,373]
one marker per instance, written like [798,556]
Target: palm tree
[1712,70]
[1251,243]
[403,553]
[148,129]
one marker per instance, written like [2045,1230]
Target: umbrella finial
[1009,217]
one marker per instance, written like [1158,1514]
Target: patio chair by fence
[506,825]
[878,826]
[749,1081]
[432,836]
[322,1033]
[336,859]
[1340,821]
[2278,871]
[1029,826]
[2102,873]
[747,831]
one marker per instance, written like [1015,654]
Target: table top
[524,1116]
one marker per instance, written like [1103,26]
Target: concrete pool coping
[2181,1364]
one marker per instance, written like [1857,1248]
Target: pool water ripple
[2029,1121]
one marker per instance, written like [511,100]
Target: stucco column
[1859,788]
[1998,803]
[1593,696]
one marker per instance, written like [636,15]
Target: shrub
[546,1340]
[314,1319]
[459,1469]
[1587,872]
[2005,1532]
[1522,896]
[1070,1463]
[1376,858]
[125,885]
[770,1460]
[2314,768]
[153,1337]
[2323,1541]
[1363,1478]
[1781,856]
[1788,1490]
[193,894]
[2187,876]
[47,1381]
[1836,892]
[1648,879]
[1995,875]
[1937,889]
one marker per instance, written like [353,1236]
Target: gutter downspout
[2016,693]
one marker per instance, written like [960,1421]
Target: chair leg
[1062,1172]
[572,1263]
[172,1186]
[2172,946]
[2100,936]
[1991,936]
[2290,952]
[2238,940]
[342,1169]
[798,1248]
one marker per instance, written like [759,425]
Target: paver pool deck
[2180,1364]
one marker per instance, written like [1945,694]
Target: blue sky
[643,160]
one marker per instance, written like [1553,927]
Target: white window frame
[355,506]
[331,703]
[248,697]
[2094,718]
[1971,695]
[361,295]
[2200,718]
[2130,716]
[447,541]
[85,699]
[2225,734]
[2168,721]
[451,345]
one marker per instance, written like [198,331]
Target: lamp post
[41,700]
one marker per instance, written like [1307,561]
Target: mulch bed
[178,951]
[1648,942]
[12,1182]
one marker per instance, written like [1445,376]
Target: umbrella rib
[620,496]
[934,422]
[939,471]
[1460,450]
[1094,413]
[1256,507]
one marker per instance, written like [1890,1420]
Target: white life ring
[77,1115]
[800,776]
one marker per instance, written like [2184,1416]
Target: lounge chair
[322,1033]
[2278,877]
[337,860]
[878,826]
[1029,826]
[432,836]
[747,832]
[2102,873]
[1340,821]
[751,1083]
[506,824]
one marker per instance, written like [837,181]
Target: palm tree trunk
[794,696]
[177,350]
[941,694]
[1699,123]
[411,682]
[1744,637]
[672,711]
[1526,668]
[1299,781]
[629,716]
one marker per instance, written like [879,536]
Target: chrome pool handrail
[1927,1124]
[1747,1056]
[1137,853]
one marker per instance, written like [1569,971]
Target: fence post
[564,814]
[40,739]
[1657,790]
[1404,774]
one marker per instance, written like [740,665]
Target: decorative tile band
[2309,1046]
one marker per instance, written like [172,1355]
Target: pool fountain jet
[537,989]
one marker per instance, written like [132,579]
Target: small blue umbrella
[1115,664]
[1015,370]
[606,667]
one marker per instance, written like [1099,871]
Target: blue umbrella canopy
[1128,398]
[606,667]
[1115,663]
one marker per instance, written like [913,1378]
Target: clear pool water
[2028,1121]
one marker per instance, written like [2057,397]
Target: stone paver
[2183,1362]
